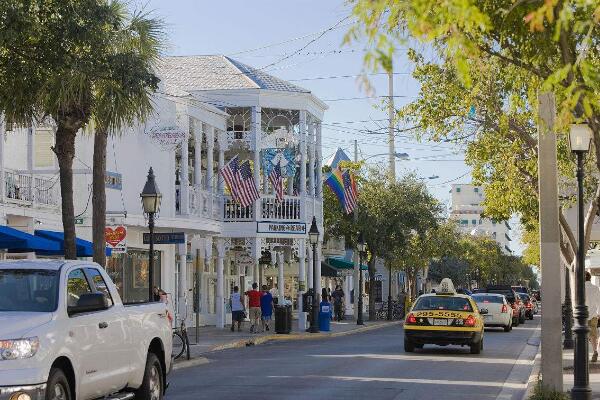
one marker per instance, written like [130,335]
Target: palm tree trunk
[372,311]
[65,152]
[99,196]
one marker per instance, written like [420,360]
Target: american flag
[248,192]
[350,192]
[240,181]
[277,181]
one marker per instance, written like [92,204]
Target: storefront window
[129,272]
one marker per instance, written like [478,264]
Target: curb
[299,336]
[264,339]
[535,372]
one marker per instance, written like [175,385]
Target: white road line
[441,358]
[406,380]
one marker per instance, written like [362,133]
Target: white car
[65,334]
[499,312]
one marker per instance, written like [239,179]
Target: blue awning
[84,247]
[16,241]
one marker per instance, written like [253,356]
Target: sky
[293,41]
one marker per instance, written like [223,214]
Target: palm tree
[123,98]
[53,58]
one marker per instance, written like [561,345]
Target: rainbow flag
[335,182]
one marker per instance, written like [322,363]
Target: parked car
[521,289]
[65,334]
[513,299]
[528,302]
[499,312]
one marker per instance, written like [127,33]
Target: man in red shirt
[254,305]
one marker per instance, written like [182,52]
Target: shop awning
[334,266]
[16,241]
[84,247]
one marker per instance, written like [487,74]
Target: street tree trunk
[99,196]
[372,311]
[65,152]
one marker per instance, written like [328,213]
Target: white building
[209,109]
[467,210]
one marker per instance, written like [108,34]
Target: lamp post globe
[313,237]
[580,137]
[361,246]
[151,198]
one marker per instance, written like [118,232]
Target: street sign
[293,228]
[78,221]
[166,238]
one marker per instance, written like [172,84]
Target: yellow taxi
[444,318]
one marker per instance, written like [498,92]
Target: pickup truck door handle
[103,325]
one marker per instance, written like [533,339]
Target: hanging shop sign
[167,137]
[166,238]
[116,238]
[293,228]
[113,180]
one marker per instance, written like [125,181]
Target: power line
[316,78]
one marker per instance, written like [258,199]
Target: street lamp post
[580,138]
[568,313]
[151,205]
[361,246]
[313,237]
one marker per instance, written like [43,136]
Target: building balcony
[287,210]
[31,190]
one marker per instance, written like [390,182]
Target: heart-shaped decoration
[115,236]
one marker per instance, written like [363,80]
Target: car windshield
[481,298]
[507,293]
[443,303]
[28,290]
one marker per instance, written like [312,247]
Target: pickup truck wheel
[58,386]
[152,386]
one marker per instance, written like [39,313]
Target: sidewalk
[568,374]
[213,339]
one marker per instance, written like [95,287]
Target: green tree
[123,97]
[490,59]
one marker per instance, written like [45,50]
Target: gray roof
[218,72]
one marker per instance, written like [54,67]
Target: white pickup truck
[66,335]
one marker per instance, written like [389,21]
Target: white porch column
[222,144]
[347,288]
[309,278]
[257,131]
[2,174]
[318,160]
[183,278]
[30,144]
[303,140]
[220,306]
[301,283]
[208,248]
[356,281]
[255,268]
[184,201]
[198,130]
[311,160]
[210,143]
[280,278]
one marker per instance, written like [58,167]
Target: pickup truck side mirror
[89,302]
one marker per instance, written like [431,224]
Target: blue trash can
[325,316]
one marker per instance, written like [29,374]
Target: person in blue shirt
[266,308]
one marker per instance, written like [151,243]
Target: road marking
[393,357]
[406,380]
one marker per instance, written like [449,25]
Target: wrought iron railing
[31,189]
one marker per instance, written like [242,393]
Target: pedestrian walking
[338,303]
[254,304]
[237,309]
[592,299]
[266,308]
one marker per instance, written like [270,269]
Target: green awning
[334,266]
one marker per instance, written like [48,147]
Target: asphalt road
[370,365]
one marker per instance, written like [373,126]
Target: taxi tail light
[470,321]
[504,308]
[411,319]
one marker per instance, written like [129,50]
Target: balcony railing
[202,203]
[233,211]
[286,210]
[31,189]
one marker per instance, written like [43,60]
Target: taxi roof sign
[446,287]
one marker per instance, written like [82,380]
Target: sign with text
[293,228]
[166,238]
[113,180]
[116,238]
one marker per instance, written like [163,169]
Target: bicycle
[181,341]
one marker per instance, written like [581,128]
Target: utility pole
[549,245]
[391,112]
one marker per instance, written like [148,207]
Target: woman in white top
[237,309]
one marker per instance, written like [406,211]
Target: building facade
[467,210]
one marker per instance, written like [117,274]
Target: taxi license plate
[440,321]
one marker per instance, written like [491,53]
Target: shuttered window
[43,155]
